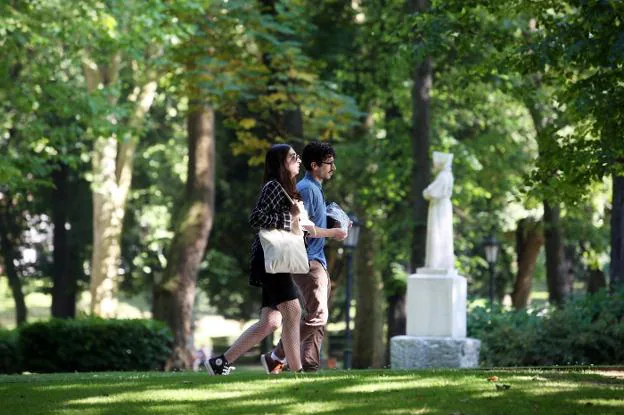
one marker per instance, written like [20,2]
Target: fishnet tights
[291,314]
[288,313]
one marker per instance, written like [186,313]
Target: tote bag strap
[285,192]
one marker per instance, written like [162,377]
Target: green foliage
[572,51]
[42,113]
[582,42]
[250,63]
[224,272]
[10,359]
[225,280]
[473,115]
[588,330]
[43,117]
[157,187]
[94,345]
[347,69]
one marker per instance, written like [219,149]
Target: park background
[132,135]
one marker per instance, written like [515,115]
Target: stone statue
[436,294]
[440,254]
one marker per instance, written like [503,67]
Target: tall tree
[175,295]
[368,344]
[112,177]
[421,166]
[121,68]
[546,124]
[581,43]
[40,128]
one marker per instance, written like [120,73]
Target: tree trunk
[571,263]
[292,121]
[559,287]
[113,159]
[64,282]
[368,347]
[596,281]
[556,273]
[9,241]
[529,241]
[21,312]
[422,76]
[109,203]
[396,319]
[176,293]
[617,234]
[395,311]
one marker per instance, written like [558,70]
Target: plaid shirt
[272,211]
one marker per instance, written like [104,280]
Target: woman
[279,293]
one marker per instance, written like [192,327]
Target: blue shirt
[314,201]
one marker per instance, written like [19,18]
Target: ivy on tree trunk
[174,296]
[617,233]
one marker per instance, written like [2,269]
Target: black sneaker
[219,366]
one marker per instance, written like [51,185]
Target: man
[319,162]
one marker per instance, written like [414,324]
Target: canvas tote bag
[284,251]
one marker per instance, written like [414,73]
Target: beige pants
[314,288]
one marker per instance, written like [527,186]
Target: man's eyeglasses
[294,157]
[331,163]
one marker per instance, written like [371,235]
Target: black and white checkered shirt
[272,211]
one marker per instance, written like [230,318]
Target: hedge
[585,331]
[86,345]
[9,353]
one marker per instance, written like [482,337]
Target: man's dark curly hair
[316,152]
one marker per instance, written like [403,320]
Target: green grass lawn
[329,392]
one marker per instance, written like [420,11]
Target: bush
[94,345]
[9,352]
[588,330]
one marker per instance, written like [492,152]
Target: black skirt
[276,288]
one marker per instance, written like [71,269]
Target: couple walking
[300,343]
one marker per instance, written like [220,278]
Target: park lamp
[353,236]
[490,245]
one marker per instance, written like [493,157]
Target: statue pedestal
[436,323]
[436,304]
[408,352]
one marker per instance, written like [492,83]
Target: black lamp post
[349,244]
[490,246]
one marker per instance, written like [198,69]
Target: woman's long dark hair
[275,169]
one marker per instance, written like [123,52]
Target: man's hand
[309,228]
[338,234]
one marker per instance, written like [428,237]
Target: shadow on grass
[339,392]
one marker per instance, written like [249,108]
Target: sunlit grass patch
[339,392]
